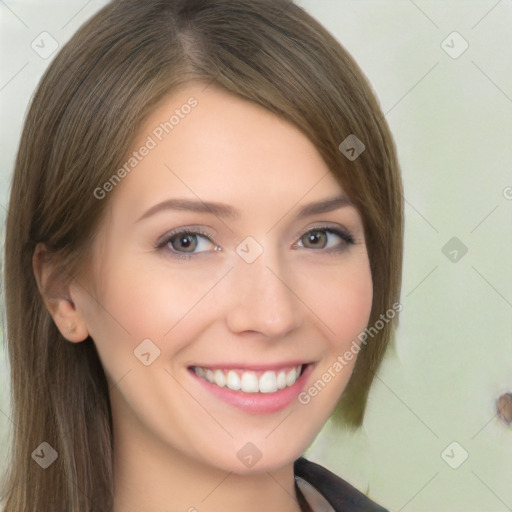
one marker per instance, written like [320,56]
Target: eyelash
[163,243]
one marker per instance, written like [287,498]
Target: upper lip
[250,366]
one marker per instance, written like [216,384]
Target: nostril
[504,408]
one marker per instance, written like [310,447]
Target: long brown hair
[82,120]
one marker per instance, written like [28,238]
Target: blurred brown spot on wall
[504,408]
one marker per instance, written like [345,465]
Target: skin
[175,443]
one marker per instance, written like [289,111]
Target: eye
[324,238]
[185,243]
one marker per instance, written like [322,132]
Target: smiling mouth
[249,381]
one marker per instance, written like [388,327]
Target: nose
[264,298]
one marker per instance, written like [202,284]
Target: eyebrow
[224,210]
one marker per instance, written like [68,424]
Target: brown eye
[325,238]
[315,239]
[186,242]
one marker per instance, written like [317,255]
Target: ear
[57,297]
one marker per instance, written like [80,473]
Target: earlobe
[55,293]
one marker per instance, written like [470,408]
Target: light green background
[452,122]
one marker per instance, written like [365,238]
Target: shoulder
[340,494]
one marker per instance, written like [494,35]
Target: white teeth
[220,378]
[248,382]
[233,381]
[281,380]
[291,376]
[268,382]
[209,376]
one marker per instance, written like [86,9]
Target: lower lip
[258,403]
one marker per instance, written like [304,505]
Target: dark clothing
[342,496]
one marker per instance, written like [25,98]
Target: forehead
[205,142]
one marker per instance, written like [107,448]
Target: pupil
[315,237]
[186,241]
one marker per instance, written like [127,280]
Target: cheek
[139,301]
[343,301]
[149,300]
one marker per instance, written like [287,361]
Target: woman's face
[242,291]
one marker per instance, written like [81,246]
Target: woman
[205,224]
